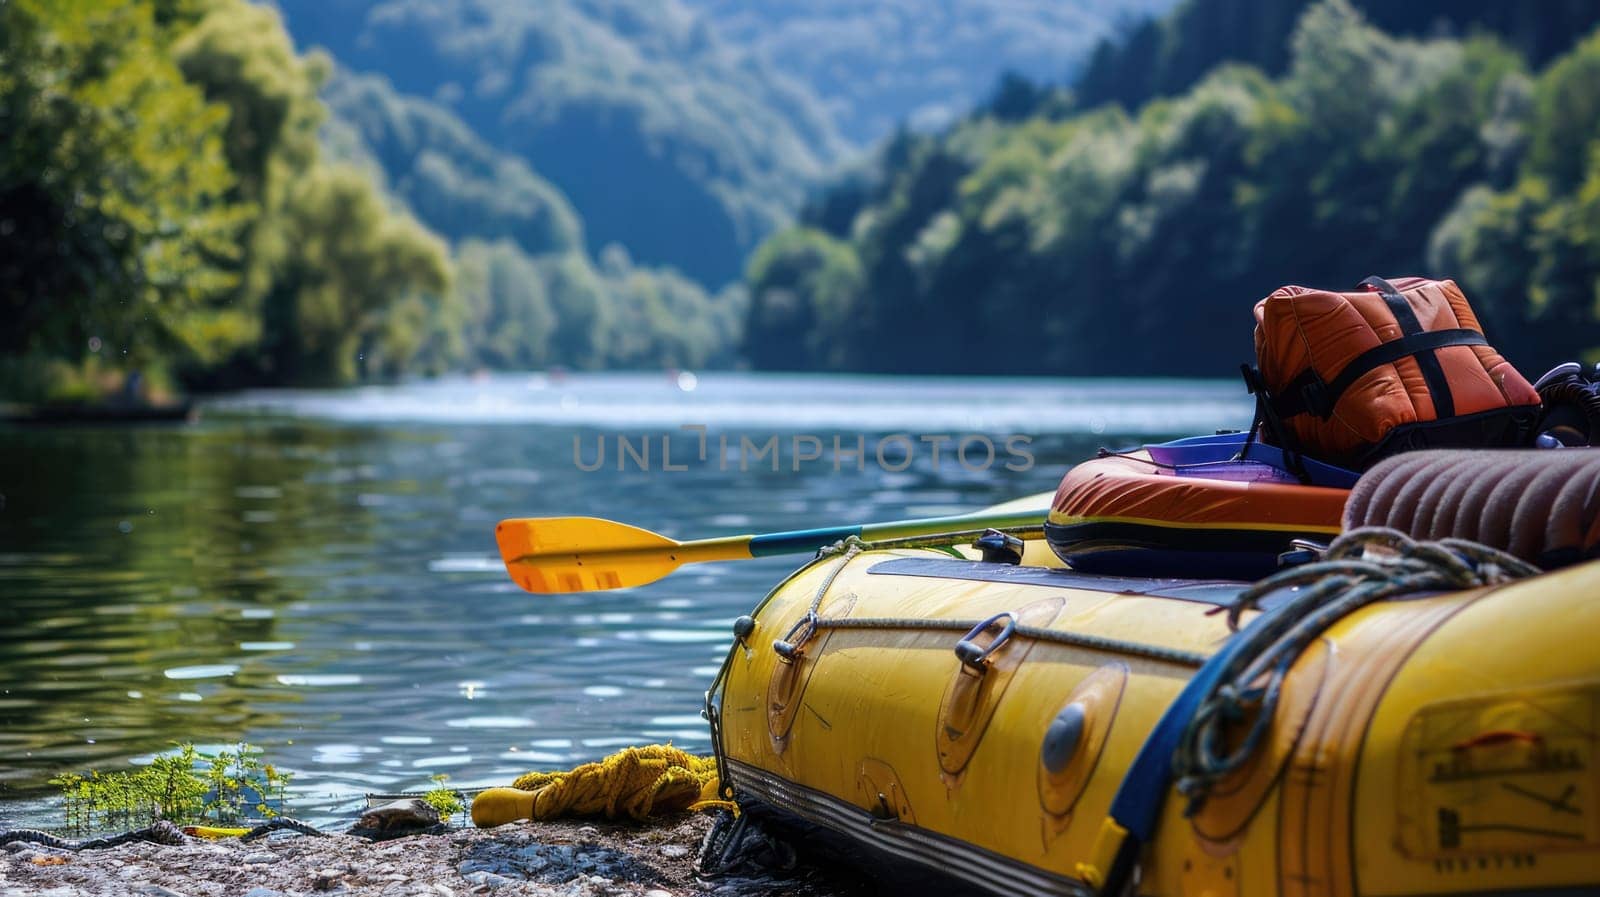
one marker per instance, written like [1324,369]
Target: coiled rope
[638,782]
[635,783]
[1362,566]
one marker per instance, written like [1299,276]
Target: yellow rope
[634,783]
[212,832]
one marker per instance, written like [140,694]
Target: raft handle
[974,656]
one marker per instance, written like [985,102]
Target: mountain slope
[1114,242]
[664,139]
[527,293]
[431,161]
[923,61]
[1161,57]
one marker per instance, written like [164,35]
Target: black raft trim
[1117,547]
[1122,534]
[887,846]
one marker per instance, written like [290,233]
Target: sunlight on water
[787,402]
[315,573]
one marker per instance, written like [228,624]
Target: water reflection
[327,587]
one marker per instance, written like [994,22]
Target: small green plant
[184,786]
[443,799]
[177,792]
[238,781]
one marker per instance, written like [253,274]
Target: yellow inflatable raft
[1030,729]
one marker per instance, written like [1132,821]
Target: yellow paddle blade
[553,555]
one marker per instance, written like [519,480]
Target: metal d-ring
[975,656]
[789,646]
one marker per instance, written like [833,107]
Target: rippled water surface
[316,573]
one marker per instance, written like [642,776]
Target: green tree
[1109,242]
[804,287]
[350,261]
[117,203]
[508,314]
[344,286]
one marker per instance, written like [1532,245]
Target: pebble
[657,892]
[674,851]
[492,865]
[487,879]
[261,859]
[26,853]
[395,819]
[154,890]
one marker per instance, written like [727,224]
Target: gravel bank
[569,859]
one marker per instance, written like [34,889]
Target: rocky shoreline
[541,859]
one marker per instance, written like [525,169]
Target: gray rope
[1361,567]
[806,627]
[847,549]
[281,823]
[1074,639]
[160,832]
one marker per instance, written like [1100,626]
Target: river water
[315,572]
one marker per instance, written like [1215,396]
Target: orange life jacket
[1354,377]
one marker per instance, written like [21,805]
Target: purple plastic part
[1217,458]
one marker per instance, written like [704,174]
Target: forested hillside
[1040,236]
[528,293]
[687,130]
[171,207]
[1165,56]
[166,208]
[479,183]
[666,140]
[438,167]
[927,62]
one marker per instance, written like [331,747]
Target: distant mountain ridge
[664,139]
[441,170]
[1168,55]
[1269,142]
[923,61]
[688,130]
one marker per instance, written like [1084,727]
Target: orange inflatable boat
[1196,508]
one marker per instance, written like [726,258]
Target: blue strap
[1137,806]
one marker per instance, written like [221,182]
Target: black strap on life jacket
[1267,419]
[1308,393]
[1444,404]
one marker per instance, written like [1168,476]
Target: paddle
[555,555]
